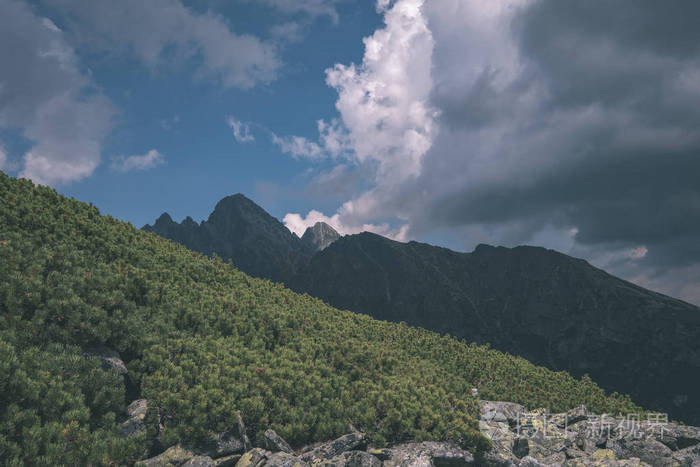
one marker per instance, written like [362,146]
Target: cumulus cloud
[241,130]
[298,225]
[44,94]
[562,123]
[298,147]
[147,161]
[155,29]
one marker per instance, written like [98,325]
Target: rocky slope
[319,236]
[519,438]
[550,308]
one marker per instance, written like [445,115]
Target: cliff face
[319,236]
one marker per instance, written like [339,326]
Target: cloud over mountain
[513,121]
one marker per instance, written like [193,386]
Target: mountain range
[550,308]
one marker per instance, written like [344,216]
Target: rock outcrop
[520,438]
[319,236]
[136,413]
[578,438]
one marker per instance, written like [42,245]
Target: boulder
[227,461]
[200,461]
[253,458]
[274,442]
[579,438]
[352,459]
[688,457]
[261,458]
[504,412]
[174,456]
[222,444]
[427,454]
[136,411]
[650,451]
[110,358]
[528,461]
[349,442]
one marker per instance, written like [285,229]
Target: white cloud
[299,147]
[46,97]
[241,131]
[386,120]
[384,102]
[638,253]
[149,29]
[146,161]
[298,224]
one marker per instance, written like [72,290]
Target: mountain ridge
[538,303]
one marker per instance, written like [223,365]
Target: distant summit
[241,231]
[319,236]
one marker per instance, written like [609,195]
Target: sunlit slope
[202,341]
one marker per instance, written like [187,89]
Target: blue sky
[571,125]
[183,117]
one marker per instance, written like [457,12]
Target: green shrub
[203,341]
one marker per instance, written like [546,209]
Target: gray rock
[200,461]
[688,457]
[528,461]
[136,411]
[261,458]
[284,459]
[353,459]
[319,236]
[110,358]
[650,451]
[223,444]
[275,442]
[227,461]
[253,458]
[427,454]
[504,412]
[578,438]
[174,456]
[333,448]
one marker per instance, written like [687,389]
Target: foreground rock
[578,438]
[520,438]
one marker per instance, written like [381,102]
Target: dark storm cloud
[599,129]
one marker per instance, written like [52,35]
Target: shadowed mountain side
[240,230]
[550,308]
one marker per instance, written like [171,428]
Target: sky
[559,123]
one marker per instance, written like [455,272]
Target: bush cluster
[202,341]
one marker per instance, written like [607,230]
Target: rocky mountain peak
[319,236]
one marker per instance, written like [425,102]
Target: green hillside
[202,341]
